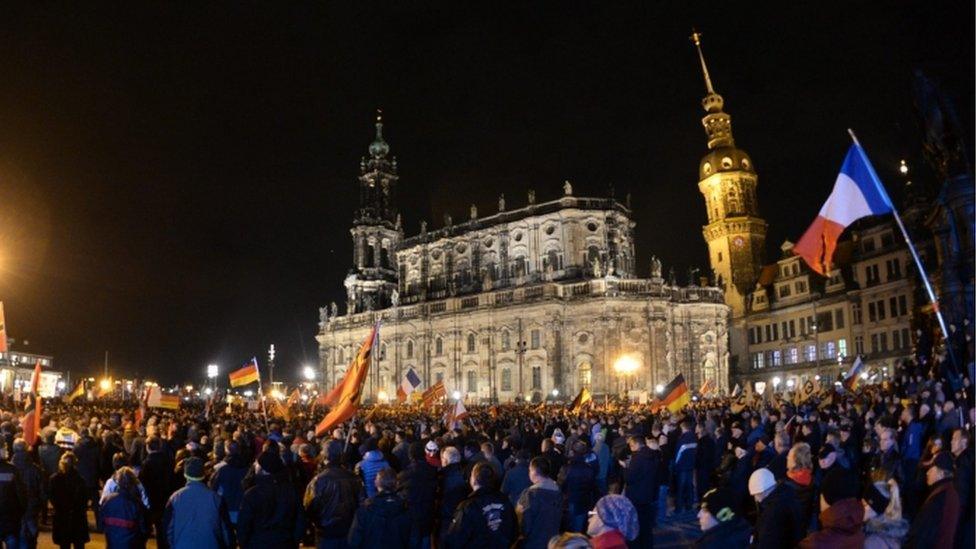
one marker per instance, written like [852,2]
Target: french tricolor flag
[409,384]
[857,193]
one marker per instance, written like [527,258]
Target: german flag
[352,386]
[247,374]
[676,394]
[77,392]
[581,400]
[158,400]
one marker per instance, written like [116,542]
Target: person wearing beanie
[778,522]
[195,516]
[613,523]
[517,477]
[332,497]
[884,526]
[721,526]
[270,512]
[938,517]
[841,513]
[417,485]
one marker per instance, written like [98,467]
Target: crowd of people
[886,465]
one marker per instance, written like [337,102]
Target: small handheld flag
[437,391]
[853,378]
[676,394]
[31,424]
[581,400]
[408,385]
[77,392]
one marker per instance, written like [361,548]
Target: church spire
[718,124]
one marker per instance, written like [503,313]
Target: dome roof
[724,159]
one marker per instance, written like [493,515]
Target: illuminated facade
[516,304]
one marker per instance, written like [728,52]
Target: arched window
[471,343]
[506,379]
[438,346]
[368,260]
[410,349]
[385,258]
[585,373]
[506,340]
[472,381]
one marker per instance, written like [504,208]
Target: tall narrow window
[536,377]
[506,379]
[471,343]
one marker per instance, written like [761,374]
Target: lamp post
[625,366]
[271,356]
[212,371]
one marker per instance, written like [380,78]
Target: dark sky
[176,186]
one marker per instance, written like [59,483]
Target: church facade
[523,304]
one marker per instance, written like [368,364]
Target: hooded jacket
[840,527]
[372,463]
[484,520]
[381,522]
[226,481]
[540,510]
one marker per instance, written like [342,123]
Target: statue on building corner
[423,227]
[692,275]
[672,280]
[474,212]
[655,267]
[448,220]
[333,310]
[597,268]
[323,316]
[567,188]
[501,202]
[395,297]
[531,196]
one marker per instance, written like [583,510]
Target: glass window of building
[536,377]
[506,379]
[472,381]
[535,339]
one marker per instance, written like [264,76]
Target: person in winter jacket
[778,523]
[705,459]
[938,517]
[517,477]
[485,519]
[884,527]
[30,476]
[540,507]
[331,498]
[962,456]
[156,476]
[841,514]
[13,501]
[799,477]
[684,467]
[417,485]
[613,523]
[195,517]
[49,454]
[69,498]
[641,482]
[721,526]
[89,454]
[124,517]
[577,480]
[373,462]
[227,479]
[381,521]
[271,515]
[452,488]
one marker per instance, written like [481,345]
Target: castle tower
[376,230]
[735,233]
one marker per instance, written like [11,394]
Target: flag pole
[918,261]
[264,405]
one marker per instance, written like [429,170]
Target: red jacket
[611,539]
[841,527]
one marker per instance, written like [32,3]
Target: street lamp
[456,395]
[308,373]
[555,393]
[903,168]
[625,366]
[790,383]
[212,371]
[776,382]
[105,384]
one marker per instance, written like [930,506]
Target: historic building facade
[790,324]
[524,303]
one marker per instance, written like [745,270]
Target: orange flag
[31,424]
[332,397]
[351,387]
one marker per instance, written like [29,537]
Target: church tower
[735,233]
[376,230]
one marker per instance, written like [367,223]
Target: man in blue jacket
[684,467]
[195,517]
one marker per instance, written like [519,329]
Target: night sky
[177,187]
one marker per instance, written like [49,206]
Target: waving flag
[707,387]
[31,424]
[352,385]
[141,410]
[247,374]
[437,391]
[853,378]
[581,400]
[455,414]
[676,394]
[77,392]
[857,193]
[409,384]
[158,400]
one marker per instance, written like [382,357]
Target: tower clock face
[738,242]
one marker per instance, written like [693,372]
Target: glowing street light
[903,168]
[790,383]
[555,393]
[105,384]
[308,373]
[212,371]
[626,365]
[776,382]
[208,391]
[659,388]
[456,395]
[189,388]
[383,396]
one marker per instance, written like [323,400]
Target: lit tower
[376,230]
[735,233]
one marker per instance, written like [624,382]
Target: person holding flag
[31,422]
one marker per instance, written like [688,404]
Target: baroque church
[530,302]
